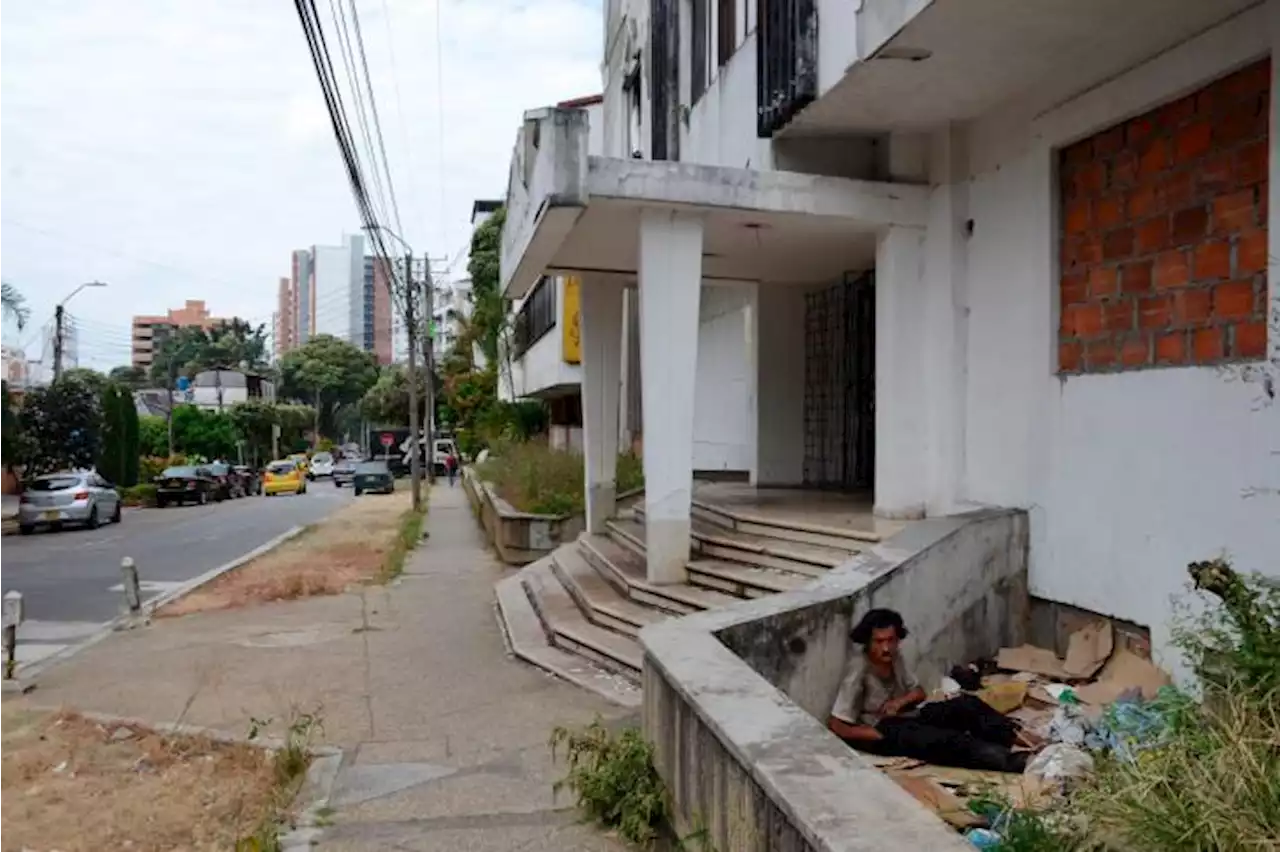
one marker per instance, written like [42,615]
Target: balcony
[914,64]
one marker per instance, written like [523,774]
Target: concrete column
[902,410]
[601,381]
[670,291]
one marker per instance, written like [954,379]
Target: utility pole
[429,358]
[411,323]
[59,314]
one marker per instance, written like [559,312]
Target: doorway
[839,387]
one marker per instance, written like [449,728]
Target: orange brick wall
[1164,233]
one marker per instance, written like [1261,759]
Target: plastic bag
[1059,762]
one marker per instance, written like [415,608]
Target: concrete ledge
[735,699]
[519,537]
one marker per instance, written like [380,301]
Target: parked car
[250,480]
[185,484]
[67,498]
[373,476]
[284,477]
[343,473]
[321,465]
[228,484]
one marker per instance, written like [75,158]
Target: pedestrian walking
[451,467]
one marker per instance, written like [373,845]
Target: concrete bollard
[12,618]
[132,593]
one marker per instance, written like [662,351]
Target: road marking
[157,586]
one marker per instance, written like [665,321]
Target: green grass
[407,539]
[143,494]
[535,478]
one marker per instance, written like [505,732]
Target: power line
[377,123]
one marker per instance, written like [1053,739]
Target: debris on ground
[1097,698]
[71,784]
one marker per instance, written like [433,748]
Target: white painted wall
[722,124]
[1128,476]
[724,408]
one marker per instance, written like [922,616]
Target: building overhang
[568,211]
[917,64]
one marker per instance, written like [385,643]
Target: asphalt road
[68,576]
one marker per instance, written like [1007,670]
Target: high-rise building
[286,329]
[303,296]
[378,310]
[148,329]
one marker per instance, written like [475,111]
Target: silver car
[68,498]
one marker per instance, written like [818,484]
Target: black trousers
[961,731]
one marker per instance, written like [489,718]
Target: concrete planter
[519,537]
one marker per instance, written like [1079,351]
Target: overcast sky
[180,150]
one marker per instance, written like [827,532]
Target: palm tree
[15,305]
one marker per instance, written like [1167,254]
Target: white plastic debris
[949,687]
[1059,762]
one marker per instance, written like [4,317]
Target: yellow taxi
[302,460]
[283,477]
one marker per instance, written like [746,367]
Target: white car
[321,465]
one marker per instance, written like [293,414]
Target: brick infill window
[1164,233]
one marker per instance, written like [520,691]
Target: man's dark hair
[877,619]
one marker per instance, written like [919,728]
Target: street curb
[28,674]
[313,795]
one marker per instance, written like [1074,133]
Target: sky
[180,150]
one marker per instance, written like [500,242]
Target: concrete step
[790,529]
[718,542]
[743,581]
[528,641]
[624,569]
[602,603]
[569,628]
[628,532]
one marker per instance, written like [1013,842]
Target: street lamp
[58,314]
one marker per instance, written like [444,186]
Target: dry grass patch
[351,546]
[73,784]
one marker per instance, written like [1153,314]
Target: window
[537,316]
[728,32]
[700,72]
[631,86]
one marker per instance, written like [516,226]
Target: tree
[15,305]
[489,309]
[118,457]
[208,434]
[153,435]
[14,438]
[328,373]
[387,402]
[95,381]
[133,378]
[254,422]
[62,424]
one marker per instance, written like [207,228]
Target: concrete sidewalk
[444,735]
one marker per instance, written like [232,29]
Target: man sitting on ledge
[881,709]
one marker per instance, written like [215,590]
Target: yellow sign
[572,321]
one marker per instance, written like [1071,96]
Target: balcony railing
[787,62]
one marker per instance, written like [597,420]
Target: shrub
[143,494]
[152,466]
[535,478]
[1212,781]
[614,780]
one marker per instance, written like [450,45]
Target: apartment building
[340,291]
[285,335]
[148,330]
[946,254]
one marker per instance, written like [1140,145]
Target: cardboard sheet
[1087,649]
[1029,658]
[1125,670]
[942,801]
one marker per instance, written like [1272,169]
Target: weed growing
[289,768]
[406,540]
[614,780]
[1213,779]
[535,478]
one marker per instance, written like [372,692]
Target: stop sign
[387,439]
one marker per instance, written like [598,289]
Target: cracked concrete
[444,734]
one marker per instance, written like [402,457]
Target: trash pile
[1099,698]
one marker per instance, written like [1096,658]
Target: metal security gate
[839,385]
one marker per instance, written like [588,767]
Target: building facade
[945,258]
[339,291]
[148,330]
[303,295]
[285,335]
